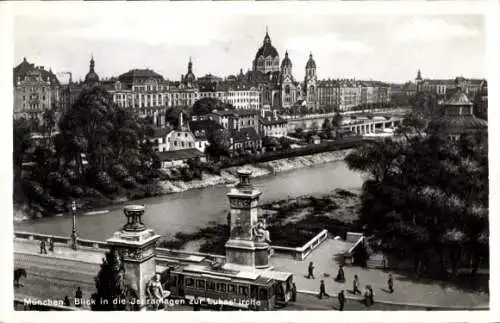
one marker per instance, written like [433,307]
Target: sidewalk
[406,290]
[83,254]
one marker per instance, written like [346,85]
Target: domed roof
[311,63]
[459,117]
[463,124]
[286,61]
[458,99]
[91,76]
[267,50]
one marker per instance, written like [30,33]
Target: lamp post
[74,235]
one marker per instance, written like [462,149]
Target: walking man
[390,284]
[311,270]
[51,245]
[340,275]
[43,247]
[294,292]
[341,298]
[66,301]
[78,297]
[355,285]
[322,290]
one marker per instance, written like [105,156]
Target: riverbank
[229,175]
[226,177]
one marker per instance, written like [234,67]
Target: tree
[337,121]
[426,198]
[112,284]
[327,125]
[49,123]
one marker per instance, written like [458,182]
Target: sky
[380,47]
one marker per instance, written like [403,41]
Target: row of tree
[100,150]
[426,199]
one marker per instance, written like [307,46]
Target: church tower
[248,243]
[419,80]
[310,84]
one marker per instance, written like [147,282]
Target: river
[191,210]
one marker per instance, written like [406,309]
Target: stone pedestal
[137,246]
[245,246]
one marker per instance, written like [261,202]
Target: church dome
[286,61]
[458,117]
[267,50]
[311,63]
[92,76]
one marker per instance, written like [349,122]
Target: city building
[329,94]
[180,138]
[244,140]
[310,84]
[458,118]
[35,90]
[272,125]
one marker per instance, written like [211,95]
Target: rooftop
[179,154]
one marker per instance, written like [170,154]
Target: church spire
[267,39]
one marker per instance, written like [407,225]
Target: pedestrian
[322,290]
[294,292]
[366,296]
[51,245]
[66,301]
[370,294]
[355,285]
[43,247]
[341,298]
[390,284]
[196,304]
[78,297]
[340,275]
[311,270]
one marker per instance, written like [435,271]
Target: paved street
[406,291]
[58,277]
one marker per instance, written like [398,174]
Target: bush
[77,191]
[129,182]
[119,171]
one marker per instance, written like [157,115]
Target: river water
[191,210]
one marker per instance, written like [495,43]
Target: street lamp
[74,235]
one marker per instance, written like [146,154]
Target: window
[231,288]
[200,284]
[210,285]
[221,287]
[243,290]
[189,282]
[175,143]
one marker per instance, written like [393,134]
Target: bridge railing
[300,253]
[60,239]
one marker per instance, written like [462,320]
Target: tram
[229,289]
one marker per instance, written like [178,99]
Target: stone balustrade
[300,253]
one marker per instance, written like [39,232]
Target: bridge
[57,274]
[357,123]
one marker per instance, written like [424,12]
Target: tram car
[229,289]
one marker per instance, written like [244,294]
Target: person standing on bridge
[355,285]
[310,270]
[78,297]
[43,247]
[322,290]
[294,293]
[390,284]
[51,245]
[341,298]
[66,301]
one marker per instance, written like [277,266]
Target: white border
[191,9]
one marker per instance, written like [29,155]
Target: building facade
[35,90]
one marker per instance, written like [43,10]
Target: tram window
[221,287]
[243,291]
[189,282]
[253,292]
[231,289]
[210,285]
[271,291]
[200,284]
[263,294]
